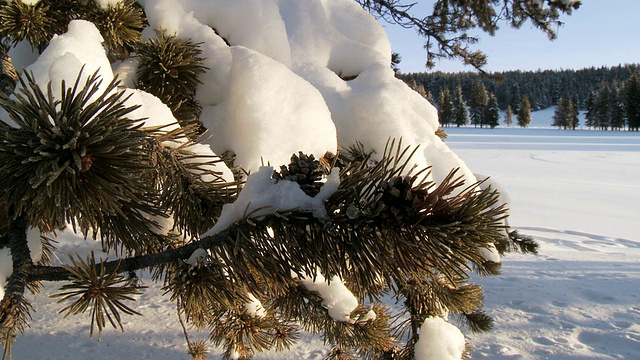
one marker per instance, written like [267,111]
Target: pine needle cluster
[77,159]
[103,293]
[33,23]
[15,318]
[169,69]
[120,24]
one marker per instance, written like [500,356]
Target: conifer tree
[564,113]
[478,104]
[591,109]
[524,112]
[632,102]
[73,155]
[492,113]
[508,116]
[461,111]
[617,107]
[575,119]
[446,110]
[603,107]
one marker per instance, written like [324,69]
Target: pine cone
[401,199]
[304,170]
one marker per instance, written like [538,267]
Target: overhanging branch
[58,273]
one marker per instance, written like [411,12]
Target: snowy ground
[576,192]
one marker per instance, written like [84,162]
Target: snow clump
[439,340]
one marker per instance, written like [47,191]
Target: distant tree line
[614,106]
[482,109]
[610,96]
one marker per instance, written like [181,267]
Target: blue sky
[601,32]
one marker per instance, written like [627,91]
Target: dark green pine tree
[564,113]
[590,106]
[492,112]
[575,118]
[461,110]
[446,110]
[602,107]
[617,107]
[632,102]
[79,158]
[524,112]
[478,103]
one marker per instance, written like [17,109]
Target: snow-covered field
[576,192]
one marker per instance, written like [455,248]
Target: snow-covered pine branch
[252,254]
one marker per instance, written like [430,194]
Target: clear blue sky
[600,33]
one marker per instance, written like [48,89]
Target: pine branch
[14,309]
[8,74]
[447,29]
[58,273]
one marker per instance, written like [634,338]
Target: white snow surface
[254,307]
[66,54]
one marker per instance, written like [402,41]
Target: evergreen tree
[633,102]
[508,116]
[564,113]
[575,119]
[80,156]
[446,111]
[617,108]
[524,112]
[603,108]
[492,113]
[461,111]
[543,87]
[591,110]
[478,103]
